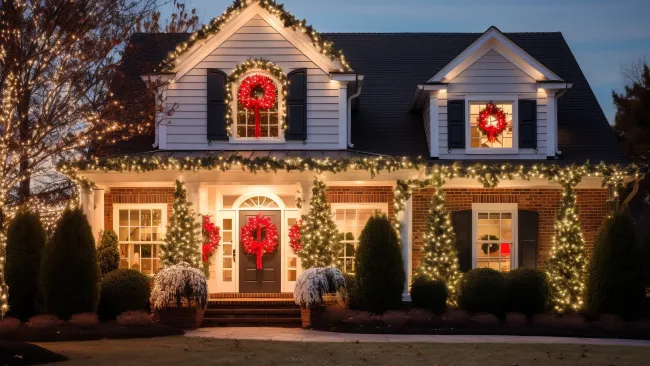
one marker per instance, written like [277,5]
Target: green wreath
[492,247]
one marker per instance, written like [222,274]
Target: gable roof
[394,63]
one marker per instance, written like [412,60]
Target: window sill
[474,151]
[257,141]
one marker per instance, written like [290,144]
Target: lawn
[196,351]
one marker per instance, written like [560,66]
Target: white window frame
[511,208]
[140,206]
[381,207]
[235,112]
[506,98]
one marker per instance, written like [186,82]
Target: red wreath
[211,238]
[295,236]
[257,92]
[492,128]
[259,237]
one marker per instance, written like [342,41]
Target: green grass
[203,351]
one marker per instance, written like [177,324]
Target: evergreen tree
[440,258]
[321,240]
[108,253]
[633,113]
[182,240]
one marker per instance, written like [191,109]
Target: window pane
[145,251]
[134,218]
[292,275]
[124,217]
[145,218]
[145,234]
[227,249]
[293,262]
[124,234]
[227,263]
[227,237]
[135,234]
[227,276]
[227,224]
[157,218]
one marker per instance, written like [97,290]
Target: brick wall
[135,195]
[592,206]
[362,195]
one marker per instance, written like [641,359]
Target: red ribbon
[258,124]
[259,248]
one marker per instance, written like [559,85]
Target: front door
[267,279]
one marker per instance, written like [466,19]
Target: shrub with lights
[182,242]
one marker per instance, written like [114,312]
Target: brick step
[250,303]
[264,312]
[252,321]
[238,295]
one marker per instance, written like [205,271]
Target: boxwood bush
[615,283]
[353,293]
[378,266]
[108,253]
[429,294]
[483,290]
[124,290]
[25,242]
[528,291]
[69,276]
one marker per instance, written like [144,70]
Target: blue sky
[603,34]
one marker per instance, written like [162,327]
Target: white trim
[512,208]
[514,98]
[405,218]
[551,123]
[434,126]
[494,39]
[343,115]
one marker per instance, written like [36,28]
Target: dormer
[493,101]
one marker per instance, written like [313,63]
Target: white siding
[493,74]
[426,114]
[256,38]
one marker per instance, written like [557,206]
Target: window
[271,125]
[351,220]
[228,264]
[140,232]
[494,233]
[480,140]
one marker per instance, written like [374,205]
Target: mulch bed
[20,353]
[103,330]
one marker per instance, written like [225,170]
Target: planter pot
[329,299]
[182,318]
[310,315]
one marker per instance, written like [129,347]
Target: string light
[182,241]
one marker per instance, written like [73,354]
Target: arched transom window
[259,202]
[253,106]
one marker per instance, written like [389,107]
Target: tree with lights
[183,237]
[321,240]
[440,257]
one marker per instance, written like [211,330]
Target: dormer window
[490,124]
[258,107]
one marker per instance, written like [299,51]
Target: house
[259,103]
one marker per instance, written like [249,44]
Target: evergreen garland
[182,240]
[321,240]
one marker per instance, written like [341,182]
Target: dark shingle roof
[394,63]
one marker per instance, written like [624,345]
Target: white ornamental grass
[176,283]
[312,284]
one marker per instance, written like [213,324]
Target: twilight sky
[603,34]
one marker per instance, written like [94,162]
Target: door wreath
[259,236]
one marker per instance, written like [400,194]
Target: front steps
[237,309]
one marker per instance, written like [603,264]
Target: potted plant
[312,286]
[179,296]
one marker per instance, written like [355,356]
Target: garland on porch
[323,45]
[259,236]
[181,243]
[211,238]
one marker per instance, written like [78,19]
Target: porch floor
[252,309]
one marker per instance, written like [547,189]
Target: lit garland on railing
[321,44]
[252,65]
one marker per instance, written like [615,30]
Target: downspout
[557,137]
[349,115]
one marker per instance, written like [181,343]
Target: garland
[249,66]
[258,237]
[217,24]
[211,238]
[295,237]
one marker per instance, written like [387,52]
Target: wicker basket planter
[186,318]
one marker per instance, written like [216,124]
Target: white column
[99,212]
[305,190]
[343,115]
[434,126]
[551,124]
[405,219]
[86,199]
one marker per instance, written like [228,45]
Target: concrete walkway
[303,335]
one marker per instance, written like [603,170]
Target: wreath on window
[257,92]
[492,247]
[491,121]
[259,236]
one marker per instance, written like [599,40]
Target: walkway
[303,335]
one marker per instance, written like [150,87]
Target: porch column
[87,201]
[98,196]
[305,190]
[405,219]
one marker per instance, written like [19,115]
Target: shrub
[179,285]
[69,274]
[84,320]
[378,266]
[395,319]
[44,321]
[9,325]
[123,290]
[353,294]
[134,318]
[429,294]
[312,284]
[25,242]
[483,290]
[528,291]
[615,282]
[108,253]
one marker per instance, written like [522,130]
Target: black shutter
[528,124]
[216,105]
[297,105]
[456,124]
[462,222]
[528,229]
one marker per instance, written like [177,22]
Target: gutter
[359,86]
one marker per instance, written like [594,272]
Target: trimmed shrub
[615,282]
[378,266]
[429,294]
[353,293]
[44,321]
[108,252]
[69,274]
[483,290]
[134,318]
[528,291]
[123,290]
[84,320]
[25,243]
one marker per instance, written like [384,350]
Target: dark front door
[267,279]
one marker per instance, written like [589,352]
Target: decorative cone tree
[183,237]
[440,258]
[321,240]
